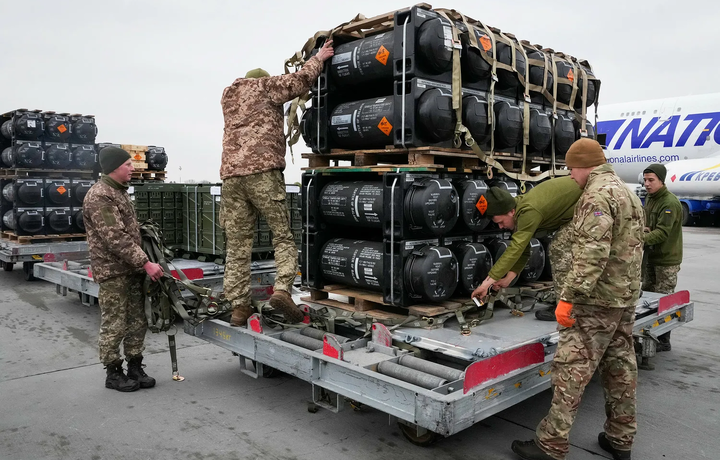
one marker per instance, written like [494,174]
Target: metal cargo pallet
[502,362]
[30,254]
[72,276]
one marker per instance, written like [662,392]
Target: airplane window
[633,114]
[655,112]
[643,112]
[679,109]
[622,114]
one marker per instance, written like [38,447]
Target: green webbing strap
[163,298]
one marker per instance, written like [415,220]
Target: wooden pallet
[14,173]
[29,239]
[149,175]
[445,158]
[371,303]
[140,166]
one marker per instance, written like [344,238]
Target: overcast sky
[152,71]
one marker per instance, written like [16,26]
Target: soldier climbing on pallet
[545,209]
[119,265]
[253,161]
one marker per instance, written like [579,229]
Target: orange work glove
[562,314]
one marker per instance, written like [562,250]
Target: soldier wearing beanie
[663,242]
[545,209]
[119,265]
[596,310]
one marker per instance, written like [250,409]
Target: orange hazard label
[385,126]
[485,43]
[62,128]
[481,205]
[382,55]
[138,157]
[62,190]
[571,75]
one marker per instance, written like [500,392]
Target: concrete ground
[53,404]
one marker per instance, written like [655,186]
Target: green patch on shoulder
[108,216]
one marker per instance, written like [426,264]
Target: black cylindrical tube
[353,262]
[353,203]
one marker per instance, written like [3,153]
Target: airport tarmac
[53,403]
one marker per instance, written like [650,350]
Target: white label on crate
[425,83]
[380,100]
[343,57]
[341,120]
[215,190]
[447,31]
[292,188]
[415,243]
[31,123]
[131,190]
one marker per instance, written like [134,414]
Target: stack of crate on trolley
[390,198]
[47,165]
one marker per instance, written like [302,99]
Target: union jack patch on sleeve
[598,213]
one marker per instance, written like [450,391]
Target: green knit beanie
[111,158]
[499,202]
[658,169]
[257,73]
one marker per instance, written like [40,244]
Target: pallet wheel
[28,269]
[7,266]
[410,433]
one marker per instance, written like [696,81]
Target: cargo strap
[461,130]
[163,299]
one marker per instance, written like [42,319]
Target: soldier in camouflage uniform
[596,311]
[546,208]
[663,241]
[119,266]
[253,159]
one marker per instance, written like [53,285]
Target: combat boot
[546,315]
[607,446]
[136,372]
[117,380]
[529,450]
[240,316]
[283,303]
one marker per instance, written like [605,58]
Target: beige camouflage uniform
[252,163]
[560,254]
[117,260]
[603,286]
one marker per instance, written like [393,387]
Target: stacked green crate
[200,226]
[158,203]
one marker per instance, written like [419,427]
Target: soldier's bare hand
[153,270]
[326,52]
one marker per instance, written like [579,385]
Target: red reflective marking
[504,363]
[673,300]
[329,349]
[255,324]
[191,273]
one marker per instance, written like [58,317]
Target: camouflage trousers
[243,198]
[560,250]
[660,279]
[601,337]
[122,317]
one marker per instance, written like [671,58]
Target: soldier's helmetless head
[505,221]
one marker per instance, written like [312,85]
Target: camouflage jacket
[113,232]
[253,139]
[607,244]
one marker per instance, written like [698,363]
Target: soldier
[663,241]
[253,161]
[596,311]
[119,265]
[546,208]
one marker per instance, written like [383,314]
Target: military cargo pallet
[149,175]
[371,303]
[15,173]
[452,159]
[29,239]
[140,166]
